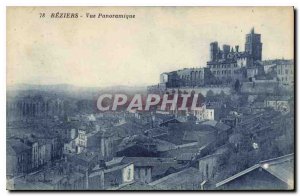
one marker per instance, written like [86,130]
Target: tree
[222,94]
[210,93]
[237,85]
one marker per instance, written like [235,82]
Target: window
[129,174]
[206,170]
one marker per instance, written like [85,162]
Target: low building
[38,154]
[277,173]
[18,158]
[281,104]
[206,112]
[147,169]
[120,175]
[142,167]
[95,140]
[188,77]
[84,163]
[208,166]
[96,178]
[284,70]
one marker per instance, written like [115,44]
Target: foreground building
[277,173]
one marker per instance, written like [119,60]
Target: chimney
[237,48]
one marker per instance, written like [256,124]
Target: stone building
[18,158]
[118,175]
[282,69]
[278,103]
[225,66]
[229,64]
[95,140]
[188,77]
[285,72]
[205,113]
[208,166]
[253,45]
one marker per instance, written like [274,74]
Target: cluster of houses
[136,150]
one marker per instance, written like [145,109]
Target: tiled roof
[280,167]
[186,176]
[15,147]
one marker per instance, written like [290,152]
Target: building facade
[229,64]
[188,77]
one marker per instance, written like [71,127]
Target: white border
[4,3]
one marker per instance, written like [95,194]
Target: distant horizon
[74,85]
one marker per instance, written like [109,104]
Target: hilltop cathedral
[225,66]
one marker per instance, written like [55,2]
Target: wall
[143,174]
[259,87]
[208,166]
[203,90]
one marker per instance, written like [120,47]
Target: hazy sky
[100,52]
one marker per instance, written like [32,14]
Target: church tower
[253,45]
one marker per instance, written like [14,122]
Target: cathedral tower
[253,45]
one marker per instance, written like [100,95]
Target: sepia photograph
[109,98]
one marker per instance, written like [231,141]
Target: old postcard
[150,98]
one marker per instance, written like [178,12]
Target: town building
[282,69]
[192,77]
[278,103]
[18,158]
[285,72]
[94,139]
[115,176]
[208,166]
[206,112]
[272,174]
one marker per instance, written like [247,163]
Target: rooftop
[189,176]
[280,167]
[14,147]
